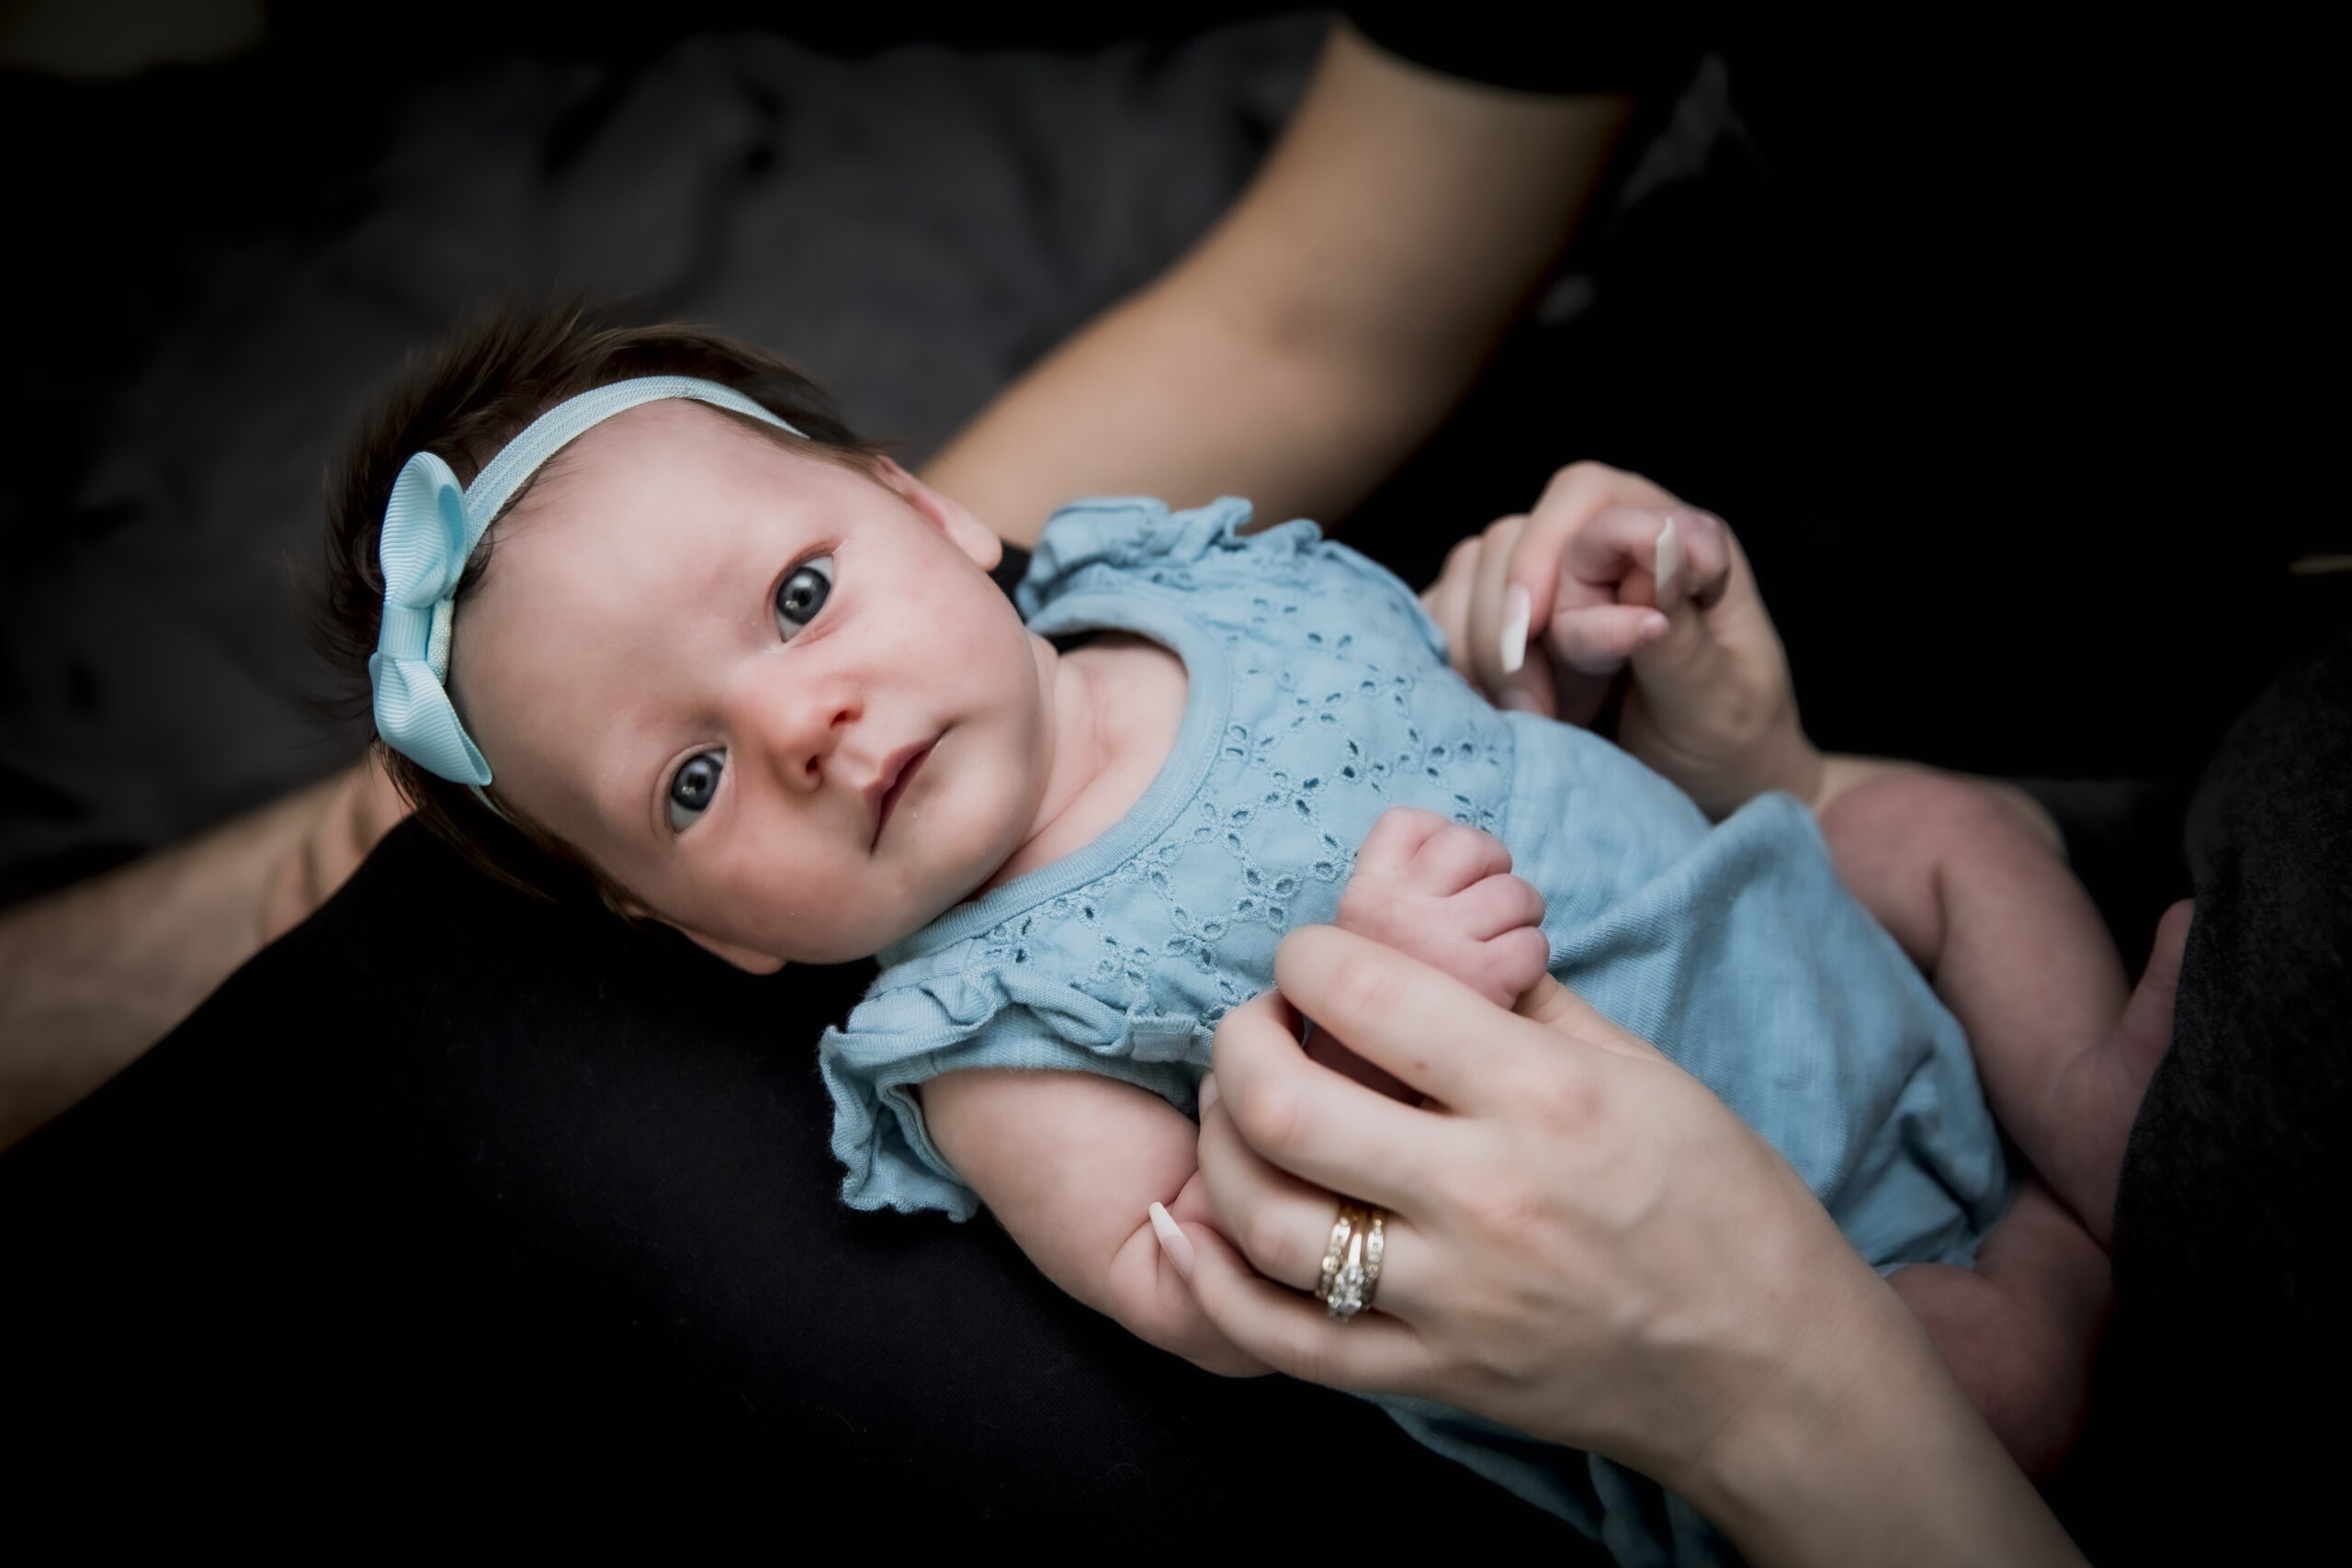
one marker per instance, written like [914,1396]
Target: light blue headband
[431,528]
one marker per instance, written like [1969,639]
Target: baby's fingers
[1499,904]
[1457,857]
[1397,838]
[1627,576]
[1598,640]
[1691,559]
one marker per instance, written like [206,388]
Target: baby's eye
[691,786]
[803,593]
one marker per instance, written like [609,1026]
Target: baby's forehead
[674,476]
[681,441]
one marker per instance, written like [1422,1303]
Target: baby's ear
[947,514]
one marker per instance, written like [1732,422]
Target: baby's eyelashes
[802,594]
[693,785]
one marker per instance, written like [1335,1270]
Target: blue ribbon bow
[425,546]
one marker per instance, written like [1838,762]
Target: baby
[754,682]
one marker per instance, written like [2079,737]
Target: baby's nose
[800,730]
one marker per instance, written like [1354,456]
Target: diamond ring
[1351,1260]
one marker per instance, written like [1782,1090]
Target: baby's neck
[1118,703]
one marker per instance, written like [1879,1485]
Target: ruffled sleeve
[1113,544]
[947,1016]
[1091,544]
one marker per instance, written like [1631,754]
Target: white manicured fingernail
[1208,1092]
[1518,610]
[1173,1241]
[1670,558]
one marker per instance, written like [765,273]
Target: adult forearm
[1866,1451]
[1328,323]
[91,977]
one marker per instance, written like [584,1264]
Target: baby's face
[777,700]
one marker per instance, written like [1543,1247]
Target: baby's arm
[1072,1163]
[1610,574]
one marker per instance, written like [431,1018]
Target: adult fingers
[1641,555]
[1704,543]
[1279,1222]
[287,902]
[353,810]
[1614,555]
[1372,1353]
[1318,1123]
[1419,1024]
[1283,1225]
[1583,529]
[379,807]
[1727,661]
[1501,617]
[1536,576]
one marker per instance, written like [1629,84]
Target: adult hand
[354,810]
[1610,571]
[1584,1243]
[92,975]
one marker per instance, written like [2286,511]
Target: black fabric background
[2215,1436]
[456,1180]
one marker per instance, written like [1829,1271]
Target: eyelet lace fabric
[1319,697]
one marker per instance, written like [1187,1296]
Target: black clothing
[2228,1356]
[1995,359]
[1648,49]
[450,1171]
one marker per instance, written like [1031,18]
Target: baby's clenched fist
[1444,894]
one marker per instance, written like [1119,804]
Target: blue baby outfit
[1319,696]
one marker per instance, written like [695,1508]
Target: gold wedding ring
[1351,1260]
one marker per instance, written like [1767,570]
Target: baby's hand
[1579,577]
[1612,572]
[1444,894]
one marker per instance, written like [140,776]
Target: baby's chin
[847,941]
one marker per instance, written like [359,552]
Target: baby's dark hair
[463,400]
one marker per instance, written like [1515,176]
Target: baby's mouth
[897,774]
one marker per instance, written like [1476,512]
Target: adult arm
[1585,1242]
[93,975]
[1320,331]
[1326,325]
